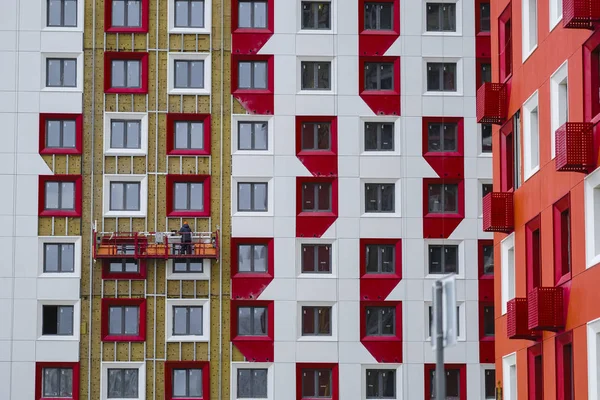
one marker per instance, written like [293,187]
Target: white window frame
[593,357]
[483,368]
[558,80]
[445,242]
[270,196]
[76,304]
[334,321]
[480,152]
[509,362]
[480,183]
[46,28]
[185,276]
[397,138]
[592,216]
[531,136]
[556,13]
[181,56]
[75,240]
[141,179]
[253,365]
[205,304]
[142,117]
[333,26]
[508,270]
[308,275]
[529,17]
[207,20]
[459,18]
[459,75]
[140,366]
[462,321]
[79,78]
[399,378]
[236,118]
[397,198]
[333,77]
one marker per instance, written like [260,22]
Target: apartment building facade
[544,104]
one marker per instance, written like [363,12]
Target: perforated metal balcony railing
[498,212]
[581,14]
[575,147]
[517,320]
[545,309]
[492,103]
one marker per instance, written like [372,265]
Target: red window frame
[187,178]
[462,388]
[78,118]
[478,31]
[460,142]
[108,19]
[397,243]
[563,245]
[565,382]
[378,59]
[39,369]
[505,43]
[438,181]
[269,304]
[43,179]
[235,19]
[395,17]
[333,135]
[480,259]
[334,379]
[171,365]
[533,253]
[107,274]
[119,302]
[334,197]
[591,87]
[269,242]
[111,56]
[482,335]
[363,321]
[236,58]
[507,157]
[535,372]
[479,61]
[172,118]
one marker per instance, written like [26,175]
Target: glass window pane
[324,197]
[197,14]
[116,196]
[260,383]
[195,382]
[53,135]
[131,383]
[51,202]
[260,75]
[180,316]
[133,74]
[53,72]
[451,198]
[51,377]
[245,136]
[244,196]
[117,71]
[450,259]
[133,196]
[244,258]
[245,74]
[70,73]
[65,320]
[197,74]
[260,197]
[181,199]
[387,76]
[245,14]
[67,258]
[371,81]
[196,196]
[244,321]
[67,195]
[133,134]
[260,258]
[131,320]
[244,383]
[66,382]
[134,10]
[308,383]
[372,321]
[69,131]
[260,321]
[197,135]
[180,383]
[449,77]
[323,136]
[435,259]
[54,13]
[324,382]
[196,266]
[131,267]
[260,14]
[260,136]
[51,258]
[181,74]
[195,320]
[308,136]
[385,16]
[433,77]
[435,198]
[181,14]
[181,135]
[115,326]
[118,13]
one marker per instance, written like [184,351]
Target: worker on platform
[186,238]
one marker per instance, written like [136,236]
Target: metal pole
[440,374]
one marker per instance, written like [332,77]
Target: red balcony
[155,245]
[492,103]
[516,320]
[498,212]
[580,14]
[575,147]
[545,309]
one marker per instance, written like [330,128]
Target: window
[556,12]
[505,43]
[61,13]
[252,383]
[189,13]
[189,135]
[486,188]
[485,73]
[188,196]
[441,17]
[510,151]
[187,320]
[486,138]
[57,383]
[126,13]
[430,311]
[453,388]
[565,367]
[535,372]
[123,383]
[316,258]
[443,259]
[379,76]
[559,101]
[442,137]
[379,16]
[488,259]
[379,197]
[443,198]
[509,378]
[126,74]
[381,384]
[316,136]
[381,259]
[187,266]
[59,257]
[534,257]
[124,320]
[124,266]
[316,75]
[253,136]
[530,27]
[125,134]
[124,196]
[488,321]
[508,270]
[59,196]
[252,75]
[187,383]
[252,14]
[562,240]
[316,197]
[316,15]
[252,258]
[189,74]
[531,136]
[489,379]
[484,17]
[441,77]
[316,321]
[57,320]
[381,321]
[61,72]
[316,383]
[252,321]
[592,214]
[252,197]
[379,136]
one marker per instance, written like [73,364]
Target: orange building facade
[544,103]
